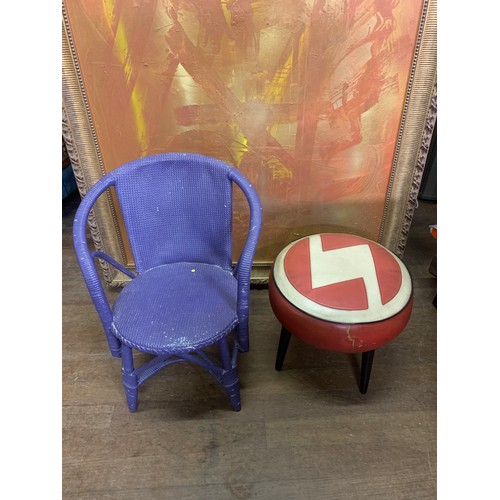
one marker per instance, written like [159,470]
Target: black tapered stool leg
[366,368]
[282,347]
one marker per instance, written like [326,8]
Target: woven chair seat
[176,308]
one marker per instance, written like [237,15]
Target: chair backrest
[177,207]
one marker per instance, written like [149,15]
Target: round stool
[342,293]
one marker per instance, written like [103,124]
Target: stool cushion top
[342,278]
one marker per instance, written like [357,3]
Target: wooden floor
[303,433]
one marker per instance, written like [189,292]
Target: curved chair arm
[86,260]
[243,267]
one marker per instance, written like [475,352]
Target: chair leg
[366,368]
[114,345]
[242,336]
[282,348]
[129,379]
[233,390]
[230,379]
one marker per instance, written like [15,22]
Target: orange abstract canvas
[303,96]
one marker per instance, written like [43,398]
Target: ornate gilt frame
[414,137]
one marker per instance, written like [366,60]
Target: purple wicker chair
[186,295]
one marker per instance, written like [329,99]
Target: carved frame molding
[415,134]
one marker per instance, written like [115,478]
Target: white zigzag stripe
[343,264]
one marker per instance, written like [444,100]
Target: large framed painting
[327,106]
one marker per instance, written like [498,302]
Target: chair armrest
[243,268]
[86,260]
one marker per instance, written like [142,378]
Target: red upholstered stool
[340,292]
